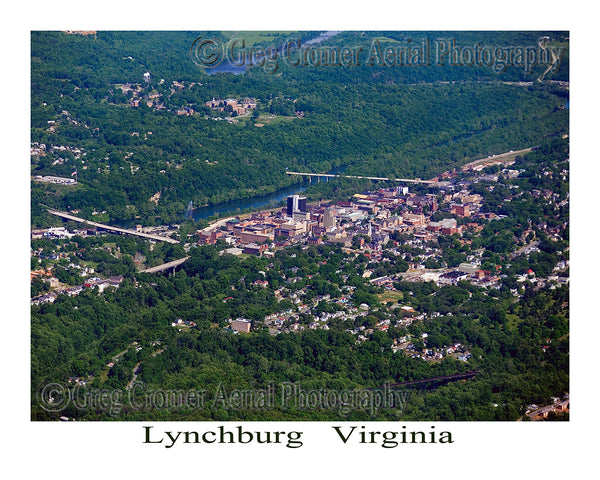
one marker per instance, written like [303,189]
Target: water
[322,37]
[262,201]
[227,67]
[270,200]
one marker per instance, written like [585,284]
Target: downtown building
[295,203]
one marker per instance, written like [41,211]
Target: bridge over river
[126,231]
[332,175]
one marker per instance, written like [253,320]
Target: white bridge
[149,236]
[331,175]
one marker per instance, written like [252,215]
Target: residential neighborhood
[395,234]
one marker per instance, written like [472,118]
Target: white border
[482,449]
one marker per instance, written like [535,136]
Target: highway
[149,236]
[165,266]
[216,225]
[502,157]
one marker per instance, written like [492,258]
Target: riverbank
[502,157]
[243,216]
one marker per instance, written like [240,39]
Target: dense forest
[380,121]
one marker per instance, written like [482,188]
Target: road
[216,225]
[496,158]
[165,266]
[135,373]
[549,408]
[150,236]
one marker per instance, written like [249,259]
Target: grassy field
[389,296]
[274,119]
[264,39]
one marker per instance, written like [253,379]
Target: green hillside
[130,139]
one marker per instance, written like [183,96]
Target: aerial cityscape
[296,236]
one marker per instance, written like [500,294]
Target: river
[270,200]
[227,67]
[261,201]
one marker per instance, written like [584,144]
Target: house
[115,281]
[47,298]
[241,325]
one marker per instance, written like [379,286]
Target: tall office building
[292,204]
[302,204]
[329,220]
[295,203]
